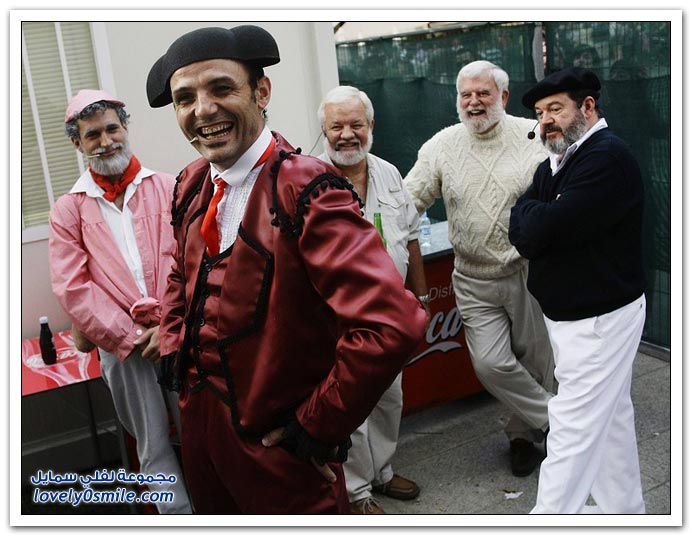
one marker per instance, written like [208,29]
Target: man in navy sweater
[580,226]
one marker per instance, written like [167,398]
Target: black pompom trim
[294,228]
[178,212]
[312,190]
[280,219]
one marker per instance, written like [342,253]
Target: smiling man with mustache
[480,167]
[347,119]
[110,252]
[285,319]
[580,224]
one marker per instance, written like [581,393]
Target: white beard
[113,165]
[348,158]
[492,117]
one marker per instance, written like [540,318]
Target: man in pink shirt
[110,252]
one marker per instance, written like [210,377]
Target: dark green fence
[411,81]
[632,60]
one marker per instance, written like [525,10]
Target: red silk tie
[210,229]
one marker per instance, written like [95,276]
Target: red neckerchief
[113,189]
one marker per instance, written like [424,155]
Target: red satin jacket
[305,313]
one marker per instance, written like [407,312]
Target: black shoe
[525,457]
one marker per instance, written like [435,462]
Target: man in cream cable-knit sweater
[480,167]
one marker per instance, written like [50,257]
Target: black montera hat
[247,43]
[570,79]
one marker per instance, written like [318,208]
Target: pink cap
[84,98]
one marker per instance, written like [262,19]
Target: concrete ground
[459,455]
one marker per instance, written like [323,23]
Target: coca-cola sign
[441,329]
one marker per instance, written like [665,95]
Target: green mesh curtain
[632,59]
[411,81]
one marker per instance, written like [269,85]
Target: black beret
[570,79]
[249,44]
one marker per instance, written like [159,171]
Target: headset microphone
[531,135]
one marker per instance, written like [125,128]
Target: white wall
[364,29]
[307,70]
[37,297]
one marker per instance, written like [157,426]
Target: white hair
[344,94]
[477,68]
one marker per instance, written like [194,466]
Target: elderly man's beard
[112,165]
[573,133]
[348,158]
[483,123]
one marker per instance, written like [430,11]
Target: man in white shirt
[346,117]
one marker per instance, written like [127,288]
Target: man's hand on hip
[275,437]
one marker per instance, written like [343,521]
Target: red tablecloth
[441,371]
[71,367]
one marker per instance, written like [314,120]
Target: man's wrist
[425,299]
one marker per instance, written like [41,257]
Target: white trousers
[141,408]
[509,347]
[592,445]
[374,444]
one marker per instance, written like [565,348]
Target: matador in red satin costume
[283,329]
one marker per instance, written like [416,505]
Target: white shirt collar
[557,161]
[235,175]
[87,185]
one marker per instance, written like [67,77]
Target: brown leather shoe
[366,506]
[399,488]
